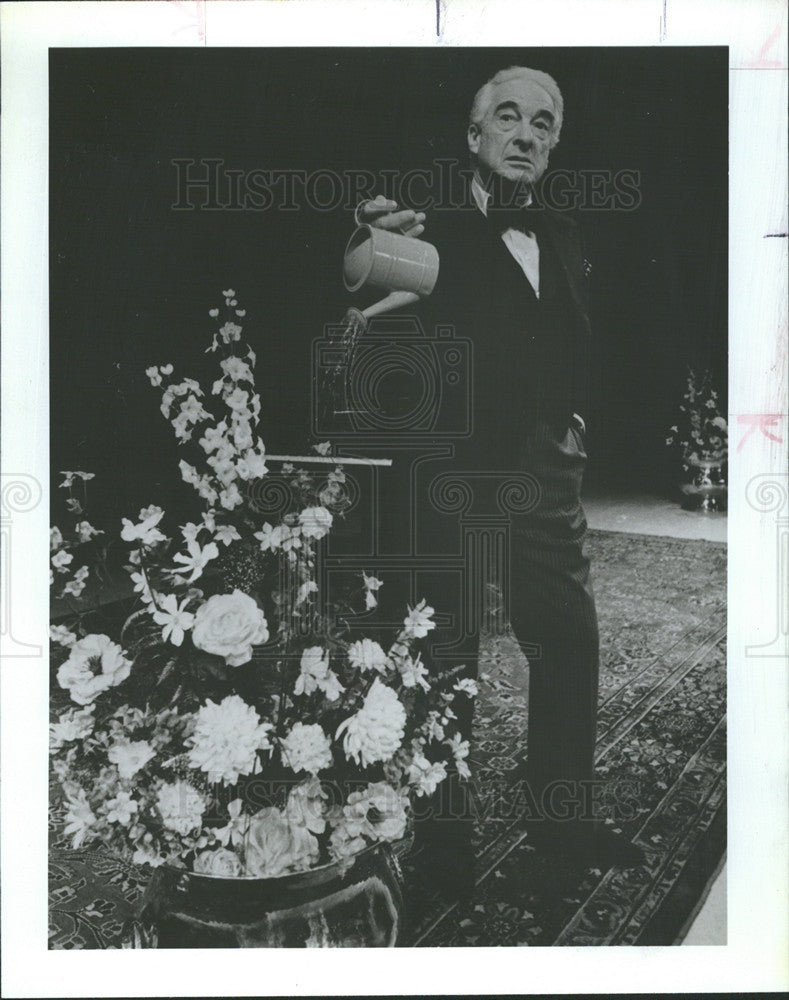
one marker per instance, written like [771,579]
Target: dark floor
[653,515]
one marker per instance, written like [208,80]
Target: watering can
[405,267]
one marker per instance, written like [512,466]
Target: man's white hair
[484,96]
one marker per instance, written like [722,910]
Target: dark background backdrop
[132,280]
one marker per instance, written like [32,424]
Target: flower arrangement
[229,725]
[701,434]
[66,578]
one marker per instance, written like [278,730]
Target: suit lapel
[479,252]
[569,256]
[558,236]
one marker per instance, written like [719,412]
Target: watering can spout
[405,267]
[394,300]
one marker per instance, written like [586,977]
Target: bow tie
[528,218]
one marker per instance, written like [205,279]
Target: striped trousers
[552,610]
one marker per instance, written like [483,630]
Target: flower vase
[356,902]
[707,489]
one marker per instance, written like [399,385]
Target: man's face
[513,139]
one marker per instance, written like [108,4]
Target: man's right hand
[384,214]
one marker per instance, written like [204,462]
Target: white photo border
[758,924]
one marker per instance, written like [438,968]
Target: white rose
[219,862]
[230,625]
[274,845]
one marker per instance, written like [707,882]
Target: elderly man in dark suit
[512,280]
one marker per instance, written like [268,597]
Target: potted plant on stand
[701,436]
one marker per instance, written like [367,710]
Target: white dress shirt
[522,246]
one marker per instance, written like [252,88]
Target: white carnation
[306,748]
[226,739]
[376,731]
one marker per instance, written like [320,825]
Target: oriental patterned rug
[661,756]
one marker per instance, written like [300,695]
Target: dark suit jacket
[529,358]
